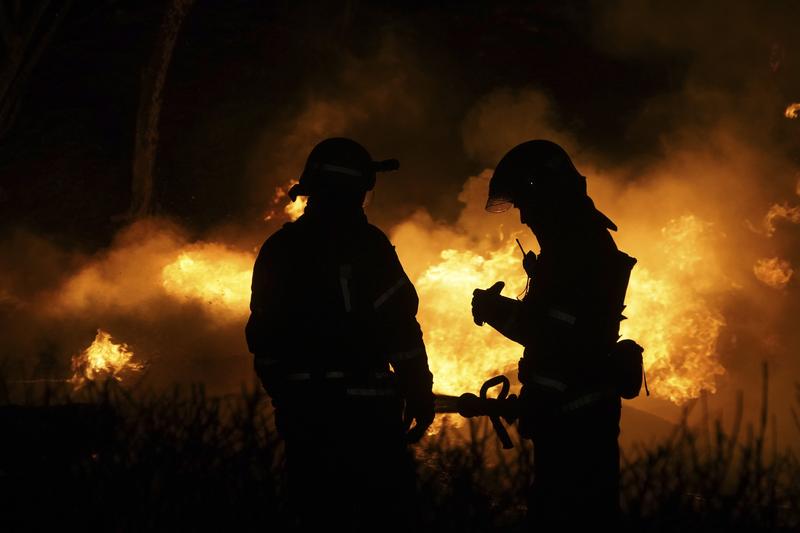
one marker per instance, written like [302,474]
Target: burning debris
[780,212]
[104,359]
[773,272]
[792,110]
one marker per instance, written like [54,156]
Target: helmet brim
[298,189]
[498,204]
[604,220]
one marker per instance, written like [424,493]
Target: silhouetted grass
[708,479]
[106,459]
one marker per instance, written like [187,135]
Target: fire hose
[503,407]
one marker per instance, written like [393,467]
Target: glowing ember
[774,272]
[212,274]
[102,360]
[780,212]
[792,110]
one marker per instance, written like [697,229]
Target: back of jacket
[572,312]
[331,309]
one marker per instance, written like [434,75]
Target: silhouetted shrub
[107,459]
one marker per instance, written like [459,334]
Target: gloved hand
[529,263]
[486,302]
[419,410]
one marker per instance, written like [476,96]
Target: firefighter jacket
[569,322]
[331,310]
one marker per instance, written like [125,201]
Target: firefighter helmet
[534,168]
[539,170]
[339,164]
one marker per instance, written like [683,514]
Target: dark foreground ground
[111,461]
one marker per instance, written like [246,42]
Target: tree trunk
[153,77]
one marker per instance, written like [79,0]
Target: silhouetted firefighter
[332,308]
[574,368]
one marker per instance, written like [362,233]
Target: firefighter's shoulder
[280,240]
[376,238]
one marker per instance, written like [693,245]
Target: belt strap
[371,392]
[334,375]
[586,400]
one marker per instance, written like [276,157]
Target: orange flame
[792,110]
[773,272]
[462,355]
[212,274]
[670,316]
[296,208]
[292,209]
[780,212]
[102,359]
[667,316]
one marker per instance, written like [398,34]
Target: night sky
[241,71]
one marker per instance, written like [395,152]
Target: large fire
[667,313]
[671,319]
[103,359]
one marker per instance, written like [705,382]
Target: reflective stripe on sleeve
[333,374]
[583,401]
[388,294]
[345,272]
[264,362]
[548,383]
[561,315]
[405,356]
[370,392]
